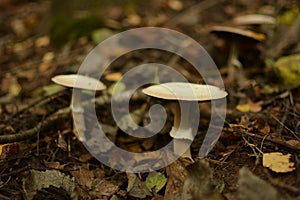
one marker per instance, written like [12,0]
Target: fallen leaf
[243,107]
[51,89]
[136,188]
[255,106]
[101,34]
[155,180]
[103,188]
[8,150]
[250,106]
[61,142]
[48,57]
[19,28]
[54,165]
[288,69]
[113,76]
[175,5]
[262,126]
[134,19]
[14,88]
[278,162]
[176,173]
[84,176]
[289,16]
[36,180]
[294,143]
[43,41]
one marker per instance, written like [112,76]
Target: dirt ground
[262,114]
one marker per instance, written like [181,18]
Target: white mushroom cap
[254,19]
[79,81]
[185,91]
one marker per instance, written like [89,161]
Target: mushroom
[236,36]
[254,19]
[256,22]
[185,93]
[78,83]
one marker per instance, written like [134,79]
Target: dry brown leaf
[250,106]
[176,173]
[43,41]
[294,143]
[54,165]
[84,176]
[134,19]
[175,5]
[278,162]
[262,126]
[136,188]
[255,106]
[8,150]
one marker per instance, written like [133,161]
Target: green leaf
[157,180]
[288,69]
[289,16]
[116,88]
[51,89]
[101,34]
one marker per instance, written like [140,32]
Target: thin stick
[287,128]
[58,116]
[265,138]
[37,102]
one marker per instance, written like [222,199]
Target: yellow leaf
[113,76]
[250,106]
[278,162]
[243,107]
[14,88]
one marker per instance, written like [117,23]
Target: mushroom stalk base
[182,131]
[180,144]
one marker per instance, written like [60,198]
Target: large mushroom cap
[254,19]
[185,91]
[237,34]
[79,81]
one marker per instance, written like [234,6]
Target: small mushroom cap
[185,91]
[79,81]
[232,33]
[254,19]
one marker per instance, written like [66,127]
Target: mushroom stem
[233,61]
[78,115]
[235,67]
[181,130]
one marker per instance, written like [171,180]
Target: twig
[16,171]
[287,128]
[60,115]
[253,147]
[37,102]
[284,117]
[265,138]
